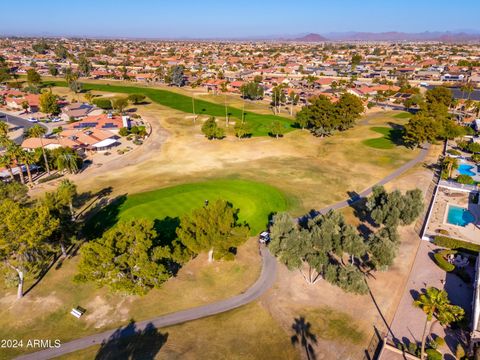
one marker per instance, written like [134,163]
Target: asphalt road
[17,121]
[264,282]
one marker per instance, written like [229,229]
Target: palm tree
[435,303]
[3,131]
[6,162]
[67,191]
[15,151]
[476,107]
[67,161]
[39,131]
[28,158]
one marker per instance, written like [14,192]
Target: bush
[439,341]
[433,354]
[49,177]
[465,179]
[103,103]
[476,158]
[450,243]
[453,152]
[440,259]
[123,131]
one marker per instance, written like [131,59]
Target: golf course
[260,123]
[256,201]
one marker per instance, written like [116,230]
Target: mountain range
[446,36]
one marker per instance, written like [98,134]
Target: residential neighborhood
[217,180]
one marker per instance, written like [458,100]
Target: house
[452,77]
[17,102]
[102,121]
[76,111]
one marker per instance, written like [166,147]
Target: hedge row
[49,177]
[442,262]
[447,242]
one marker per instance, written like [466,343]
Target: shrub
[123,131]
[49,177]
[450,243]
[465,179]
[443,232]
[476,158]
[440,259]
[453,152]
[439,341]
[103,103]
[433,354]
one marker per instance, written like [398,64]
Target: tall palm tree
[39,131]
[3,130]
[28,158]
[435,303]
[67,161]
[6,162]
[476,107]
[15,151]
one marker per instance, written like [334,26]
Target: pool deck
[438,221]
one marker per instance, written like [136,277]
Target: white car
[56,119]
[32,120]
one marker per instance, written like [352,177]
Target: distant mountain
[311,38]
[402,36]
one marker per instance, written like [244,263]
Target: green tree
[24,233]
[176,76]
[33,77]
[60,205]
[84,65]
[120,104]
[211,130]
[242,130]
[15,152]
[38,131]
[6,162]
[61,52]
[277,129]
[49,103]
[126,259]
[252,90]
[435,303]
[40,47]
[213,228]
[52,69]
[14,191]
[420,128]
[136,98]
[67,160]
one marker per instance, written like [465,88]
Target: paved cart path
[264,282]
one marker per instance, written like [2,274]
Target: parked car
[264,237]
[32,120]
[56,119]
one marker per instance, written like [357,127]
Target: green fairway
[259,123]
[403,115]
[389,140]
[256,202]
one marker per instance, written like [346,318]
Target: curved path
[264,282]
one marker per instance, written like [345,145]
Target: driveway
[17,122]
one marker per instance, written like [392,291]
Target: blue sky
[216,18]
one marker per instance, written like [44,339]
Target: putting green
[389,139]
[256,202]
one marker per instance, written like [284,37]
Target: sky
[231,19]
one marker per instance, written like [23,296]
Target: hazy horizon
[214,19]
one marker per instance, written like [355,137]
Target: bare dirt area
[344,323]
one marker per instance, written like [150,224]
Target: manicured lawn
[403,115]
[260,123]
[389,140]
[256,202]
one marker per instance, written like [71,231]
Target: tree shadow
[166,229]
[105,216]
[304,337]
[395,134]
[132,343]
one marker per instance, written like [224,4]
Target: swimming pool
[459,216]
[465,169]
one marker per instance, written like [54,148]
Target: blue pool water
[459,216]
[466,169]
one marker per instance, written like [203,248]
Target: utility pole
[243,108]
